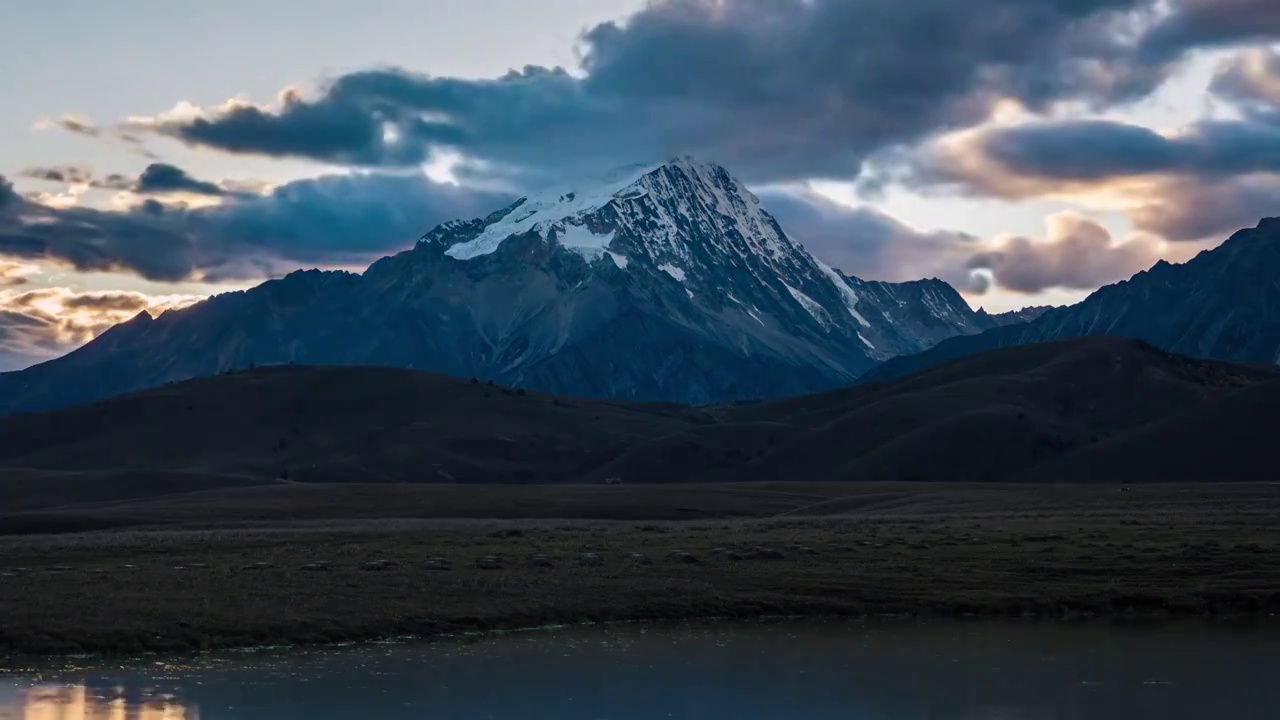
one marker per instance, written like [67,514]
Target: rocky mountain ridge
[664,283]
[1223,304]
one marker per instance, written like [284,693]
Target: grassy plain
[292,563]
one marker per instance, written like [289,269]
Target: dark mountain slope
[1228,438]
[996,416]
[352,424]
[1224,304]
[991,416]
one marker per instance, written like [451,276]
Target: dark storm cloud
[1209,24]
[8,196]
[340,129]
[1080,150]
[1050,157]
[385,118]
[160,178]
[1203,181]
[776,89]
[329,220]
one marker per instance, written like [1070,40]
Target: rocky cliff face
[1224,304]
[668,282]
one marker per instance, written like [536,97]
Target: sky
[1028,151]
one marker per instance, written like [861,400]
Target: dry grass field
[286,564]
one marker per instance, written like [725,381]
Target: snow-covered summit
[689,232]
[663,204]
[551,208]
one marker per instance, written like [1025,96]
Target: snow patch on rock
[673,271]
[811,306]
[850,296]
[580,239]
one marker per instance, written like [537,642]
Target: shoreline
[1065,616]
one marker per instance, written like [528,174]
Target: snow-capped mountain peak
[553,208]
[692,228]
[687,191]
[702,297]
[655,203]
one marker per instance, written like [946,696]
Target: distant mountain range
[659,283]
[666,283]
[1086,410]
[1013,317]
[1223,304]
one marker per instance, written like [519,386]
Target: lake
[860,671]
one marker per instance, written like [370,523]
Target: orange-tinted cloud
[42,323]
[1076,253]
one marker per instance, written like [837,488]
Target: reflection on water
[77,702]
[800,671]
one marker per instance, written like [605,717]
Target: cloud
[1202,181]
[74,124]
[1190,210]
[1251,82]
[1074,150]
[1192,24]
[873,245]
[1062,158]
[776,89]
[78,125]
[73,174]
[15,273]
[334,219]
[1076,254]
[342,128]
[36,325]
[1068,159]
[9,198]
[160,178]
[157,179]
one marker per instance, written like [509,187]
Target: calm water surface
[794,671]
